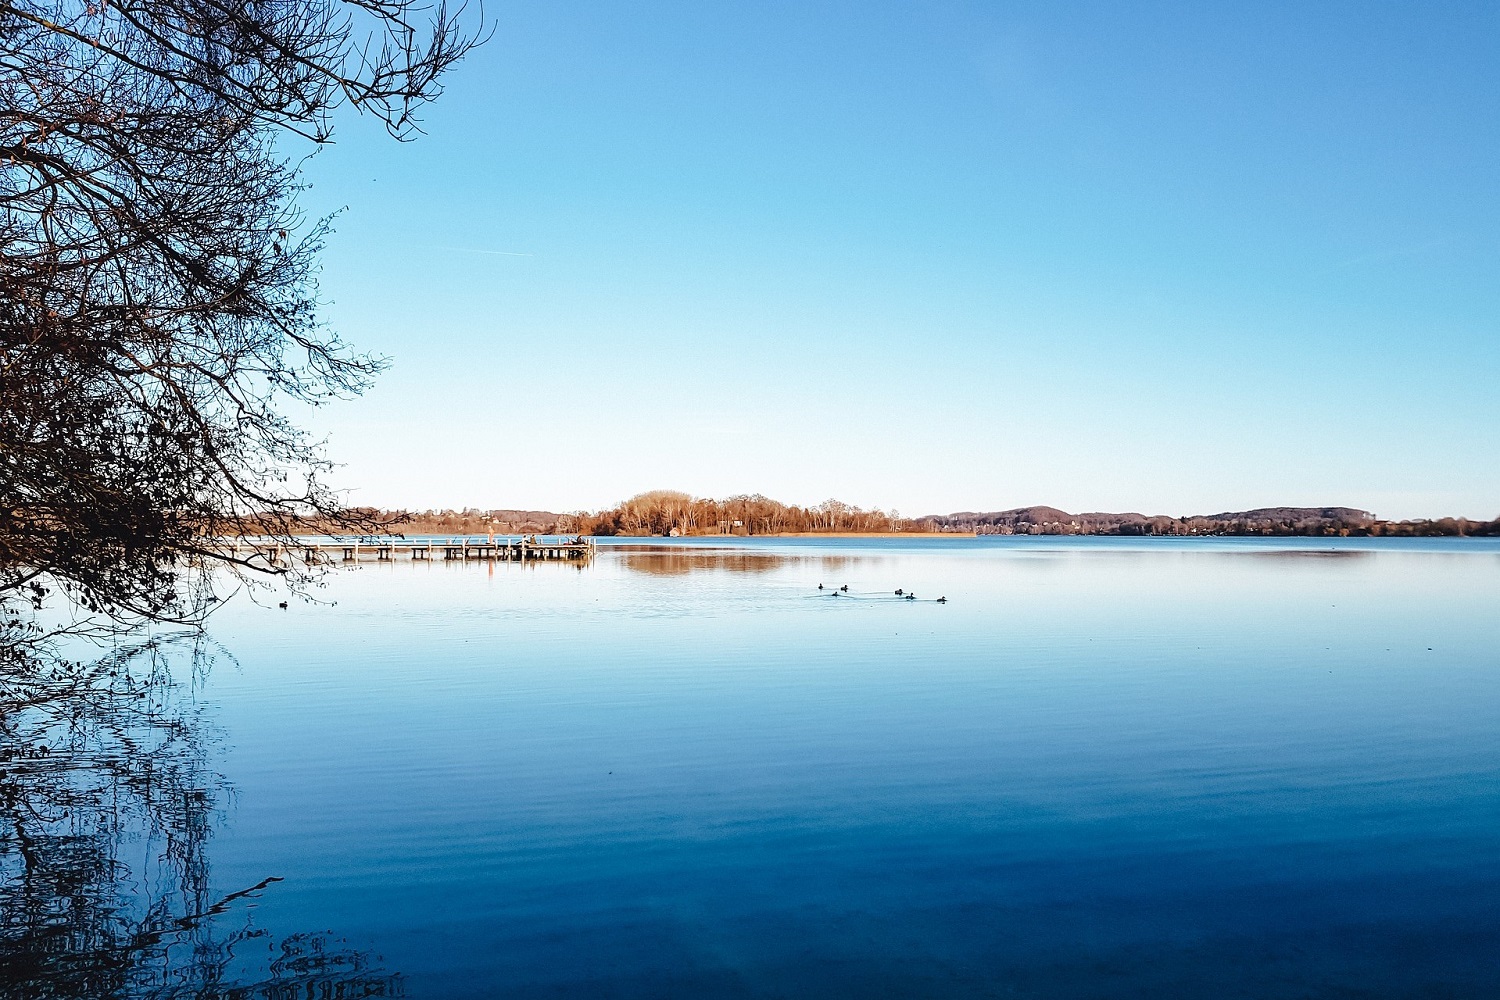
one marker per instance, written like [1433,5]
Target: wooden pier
[513,548]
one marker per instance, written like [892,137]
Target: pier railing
[500,548]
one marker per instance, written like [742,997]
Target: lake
[1101,768]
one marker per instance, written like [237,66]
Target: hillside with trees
[667,512]
[468,521]
[672,513]
[1305,521]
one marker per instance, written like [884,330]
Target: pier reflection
[108,803]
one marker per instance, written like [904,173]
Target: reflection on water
[108,802]
[1289,555]
[1194,769]
[666,560]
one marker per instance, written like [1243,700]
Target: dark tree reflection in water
[669,560]
[108,803]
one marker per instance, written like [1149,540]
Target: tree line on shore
[669,512]
[658,512]
[1271,521]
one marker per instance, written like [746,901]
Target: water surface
[1102,768]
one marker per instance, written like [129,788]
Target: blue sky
[1172,258]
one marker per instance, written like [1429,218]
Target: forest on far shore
[672,513]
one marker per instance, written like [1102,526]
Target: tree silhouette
[158,309]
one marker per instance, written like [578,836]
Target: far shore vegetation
[668,513]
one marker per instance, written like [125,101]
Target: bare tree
[158,309]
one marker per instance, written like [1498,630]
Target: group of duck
[903,594]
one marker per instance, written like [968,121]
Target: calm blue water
[1196,768]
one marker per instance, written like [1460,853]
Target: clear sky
[1172,258]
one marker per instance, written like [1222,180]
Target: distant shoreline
[811,534]
[424,533]
[665,513]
